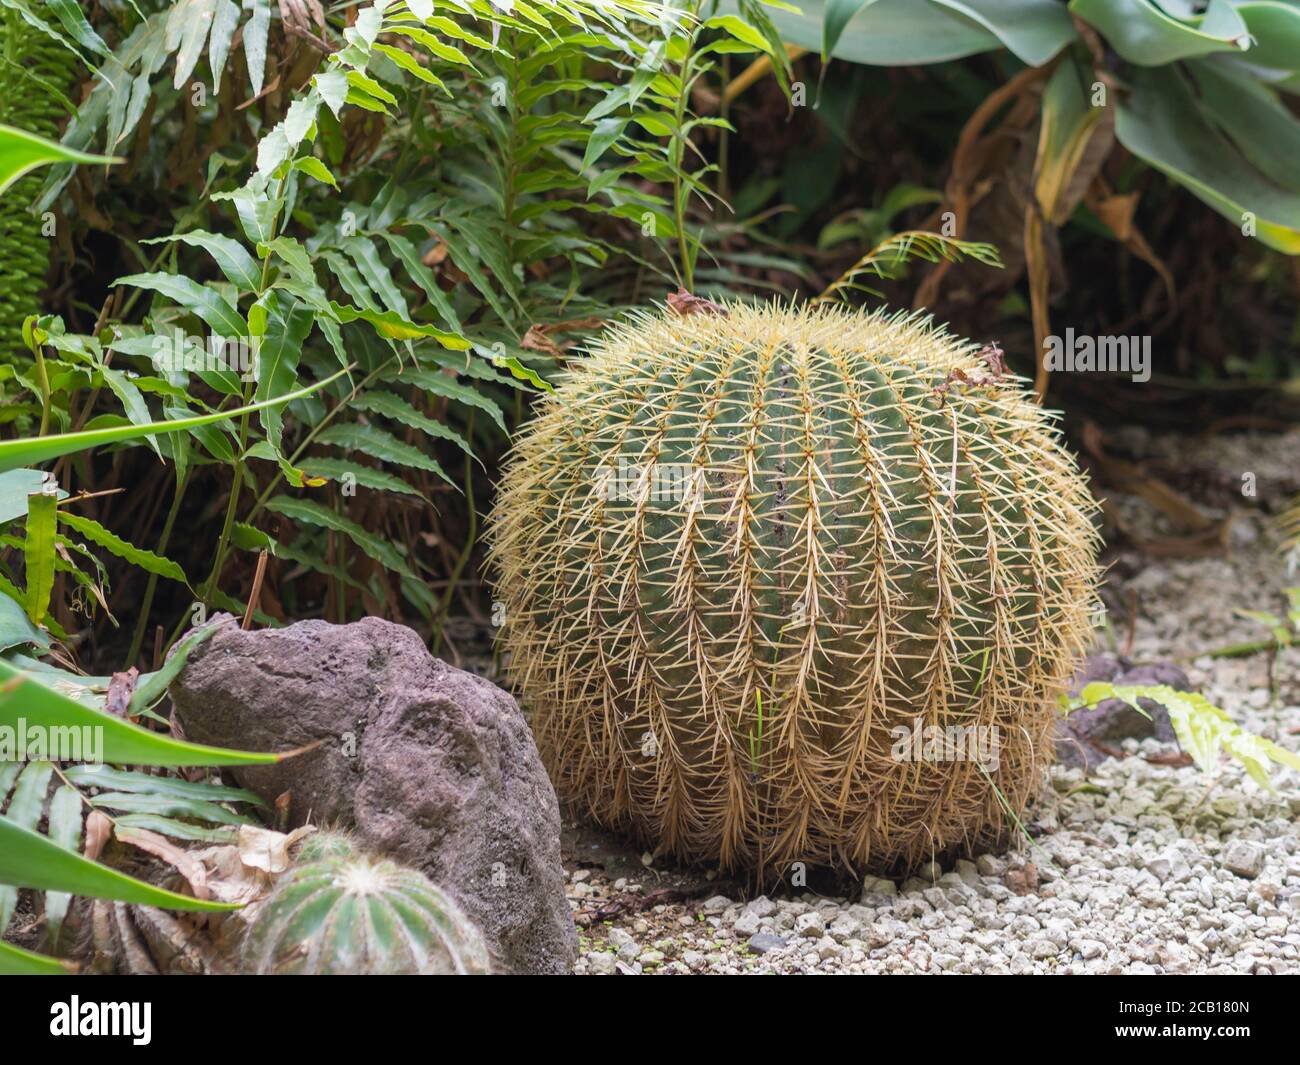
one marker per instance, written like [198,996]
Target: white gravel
[1141,868]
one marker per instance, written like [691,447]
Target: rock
[746,924]
[810,925]
[1113,720]
[601,963]
[876,889]
[1244,858]
[827,948]
[693,959]
[426,764]
[764,942]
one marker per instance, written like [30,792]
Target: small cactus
[338,912]
[760,564]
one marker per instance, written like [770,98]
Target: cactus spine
[757,567]
[337,912]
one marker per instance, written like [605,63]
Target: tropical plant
[45,713]
[1195,90]
[848,524]
[340,912]
[37,72]
[396,199]
[1204,731]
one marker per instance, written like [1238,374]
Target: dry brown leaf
[261,848]
[120,690]
[537,340]
[183,861]
[684,303]
[99,828]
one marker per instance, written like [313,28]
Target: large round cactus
[791,584]
[337,912]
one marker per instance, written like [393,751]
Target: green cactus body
[868,545]
[340,913]
[35,73]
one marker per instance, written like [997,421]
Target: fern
[885,259]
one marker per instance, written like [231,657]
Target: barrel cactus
[791,584]
[36,71]
[338,912]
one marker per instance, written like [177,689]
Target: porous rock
[1112,720]
[429,765]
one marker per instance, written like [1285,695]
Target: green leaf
[739,29]
[69,13]
[16,486]
[373,441]
[235,263]
[396,327]
[196,298]
[28,859]
[14,961]
[22,152]
[150,687]
[1160,123]
[30,450]
[255,34]
[178,829]
[398,409]
[307,511]
[168,806]
[31,695]
[314,168]
[65,830]
[16,629]
[888,33]
[38,551]
[1203,730]
[366,476]
[838,15]
[137,556]
[122,780]
[442,385]
[1142,33]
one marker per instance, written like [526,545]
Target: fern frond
[891,253]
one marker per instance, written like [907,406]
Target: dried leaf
[99,828]
[261,848]
[683,303]
[120,690]
[183,861]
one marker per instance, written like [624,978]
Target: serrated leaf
[137,556]
[307,511]
[378,444]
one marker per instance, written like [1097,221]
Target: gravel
[1141,867]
